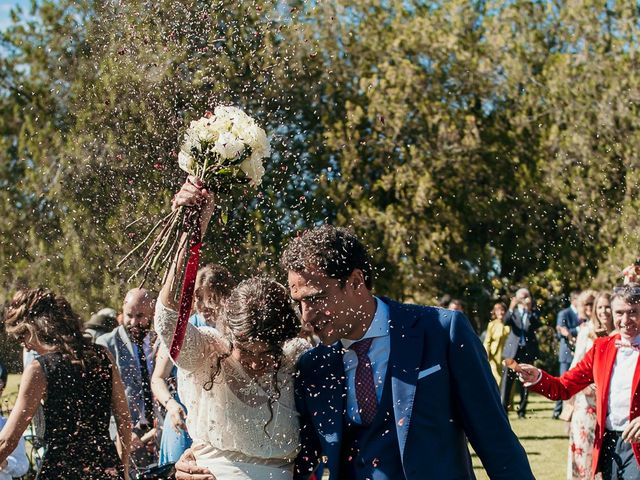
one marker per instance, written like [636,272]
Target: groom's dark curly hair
[334,251]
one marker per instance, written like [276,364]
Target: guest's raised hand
[187,469]
[513,304]
[631,434]
[528,373]
[177,415]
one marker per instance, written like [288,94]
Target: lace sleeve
[293,349]
[199,343]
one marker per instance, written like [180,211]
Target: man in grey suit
[566,331]
[521,344]
[131,346]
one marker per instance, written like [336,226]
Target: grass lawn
[545,440]
[10,393]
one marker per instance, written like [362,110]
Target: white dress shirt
[17,463]
[378,354]
[619,402]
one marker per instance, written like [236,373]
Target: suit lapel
[635,400]
[124,338]
[131,363]
[328,399]
[606,371]
[404,360]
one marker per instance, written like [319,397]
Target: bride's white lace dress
[227,420]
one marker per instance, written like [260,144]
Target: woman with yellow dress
[497,333]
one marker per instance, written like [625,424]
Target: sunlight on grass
[545,440]
[10,393]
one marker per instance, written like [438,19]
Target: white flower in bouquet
[222,143]
[187,162]
[228,146]
[254,169]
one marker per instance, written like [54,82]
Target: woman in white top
[239,397]
[16,465]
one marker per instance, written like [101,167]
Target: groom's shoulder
[427,316]
[314,356]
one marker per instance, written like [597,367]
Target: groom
[395,390]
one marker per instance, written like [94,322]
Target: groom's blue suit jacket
[442,390]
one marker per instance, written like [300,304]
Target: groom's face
[326,304]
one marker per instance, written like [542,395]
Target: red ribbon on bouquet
[188,286]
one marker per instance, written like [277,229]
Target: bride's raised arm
[199,343]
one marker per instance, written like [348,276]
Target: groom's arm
[477,400]
[308,457]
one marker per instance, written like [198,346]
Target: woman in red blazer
[612,365]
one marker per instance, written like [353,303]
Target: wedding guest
[78,385]
[566,332]
[604,317]
[444,301]
[521,345]
[456,305]
[631,273]
[240,400]
[612,365]
[583,405]
[104,321]
[132,347]
[495,338]
[213,285]
[16,464]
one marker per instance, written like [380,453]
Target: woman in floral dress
[595,311]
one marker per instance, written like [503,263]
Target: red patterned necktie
[365,389]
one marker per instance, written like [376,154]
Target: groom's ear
[356,279]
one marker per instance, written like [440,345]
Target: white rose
[228,146]
[221,125]
[203,130]
[260,142]
[253,168]
[224,119]
[233,114]
[186,162]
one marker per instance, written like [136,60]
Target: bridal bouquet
[222,148]
[224,145]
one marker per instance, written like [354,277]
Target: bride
[239,396]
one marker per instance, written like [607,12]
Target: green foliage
[484,139]
[464,140]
